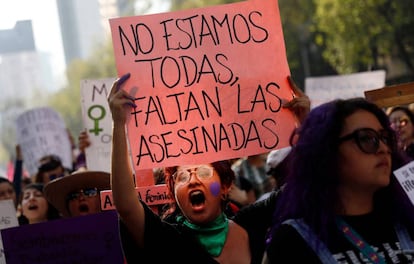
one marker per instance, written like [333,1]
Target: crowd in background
[333,183]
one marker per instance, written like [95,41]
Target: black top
[288,246]
[410,151]
[256,220]
[164,243]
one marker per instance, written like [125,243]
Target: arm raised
[124,195]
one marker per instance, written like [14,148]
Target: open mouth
[33,207]
[83,208]
[197,198]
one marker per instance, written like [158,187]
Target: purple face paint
[215,188]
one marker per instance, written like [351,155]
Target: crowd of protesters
[330,197]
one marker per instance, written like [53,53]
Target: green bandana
[212,236]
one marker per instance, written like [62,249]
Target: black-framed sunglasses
[184,176]
[368,139]
[89,192]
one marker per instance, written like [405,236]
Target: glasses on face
[368,140]
[399,123]
[90,192]
[184,176]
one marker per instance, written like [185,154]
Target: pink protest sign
[208,83]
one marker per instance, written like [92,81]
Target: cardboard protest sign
[7,214]
[398,94]
[327,88]
[86,239]
[208,83]
[405,176]
[7,219]
[97,120]
[150,195]
[40,132]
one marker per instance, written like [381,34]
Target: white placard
[40,132]
[405,176]
[7,214]
[7,219]
[326,88]
[97,121]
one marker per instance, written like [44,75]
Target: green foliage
[296,16]
[10,110]
[359,35]
[67,100]
[187,4]
[322,37]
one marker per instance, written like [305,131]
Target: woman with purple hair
[341,203]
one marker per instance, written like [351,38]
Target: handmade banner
[208,83]
[7,214]
[7,219]
[40,132]
[86,239]
[97,120]
[393,95]
[326,88]
[405,176]
[150,195]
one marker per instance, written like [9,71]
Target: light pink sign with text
[208,83]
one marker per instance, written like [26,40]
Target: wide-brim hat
[57,190]
[275,157]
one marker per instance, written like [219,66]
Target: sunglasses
[368,140]
[90,192]
[184,176]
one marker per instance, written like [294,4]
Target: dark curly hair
[223,169]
